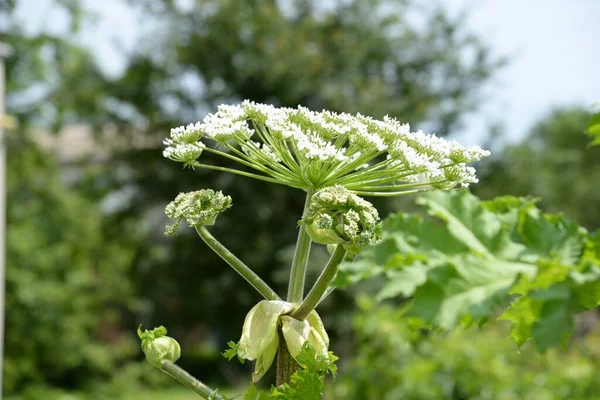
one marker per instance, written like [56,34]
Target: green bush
[392,360]
[66,286]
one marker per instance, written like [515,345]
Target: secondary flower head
[310,150]
[200,207]
[260,334]
[158,347]
[336,215]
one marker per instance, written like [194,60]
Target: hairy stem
[320,287]
[298,271]
[237,264]
[187,380]
[286,365]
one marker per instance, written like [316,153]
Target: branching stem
[300,261]
[320,287]
[237,264]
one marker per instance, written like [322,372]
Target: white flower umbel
[309,150]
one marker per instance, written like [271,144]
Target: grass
[170,394]
[174,394]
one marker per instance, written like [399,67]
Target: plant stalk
[300,261]
[187,380]
[237,264]
[320,287]
[286,365]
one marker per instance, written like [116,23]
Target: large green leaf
[469,222]
[468,288]
[473,257]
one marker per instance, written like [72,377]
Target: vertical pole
[5,51]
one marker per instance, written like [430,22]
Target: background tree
[65,292]
[555,163]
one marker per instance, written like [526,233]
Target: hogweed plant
[337,159]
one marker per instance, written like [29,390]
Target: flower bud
[198,208]
[260,338]
[260,334]
[311,330]
[337,216]
[158,347]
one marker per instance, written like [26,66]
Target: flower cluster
[260,334]
[158,347]
[200,207]
[336,215]
[309,150]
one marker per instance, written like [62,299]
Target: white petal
[264,361]
[260,327]
[315,322]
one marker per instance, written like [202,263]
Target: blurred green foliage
[101,247]
[593,129]
[87,261]
[555,163]
[394,361]
[65,292]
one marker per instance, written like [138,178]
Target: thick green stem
[320,287]
[298,271]
[237,264]
[286,365]
[187,380]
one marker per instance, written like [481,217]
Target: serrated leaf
[404,281]
[522,313]
[254,394]
[308,382]
[469,222]
[431,240]
[551,236]
[468,288]
[232,352]
[463,270]
[555,323]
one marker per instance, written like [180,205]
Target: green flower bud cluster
[260,334]
[200,207]
[158,347]
[336,215]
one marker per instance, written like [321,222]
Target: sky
[553,48]
[554,57]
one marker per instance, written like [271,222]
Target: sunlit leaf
[475,258]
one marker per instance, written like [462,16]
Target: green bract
[308,150]
[297,332]
[336,215]
[260,334]
[158,347]
[198,208]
